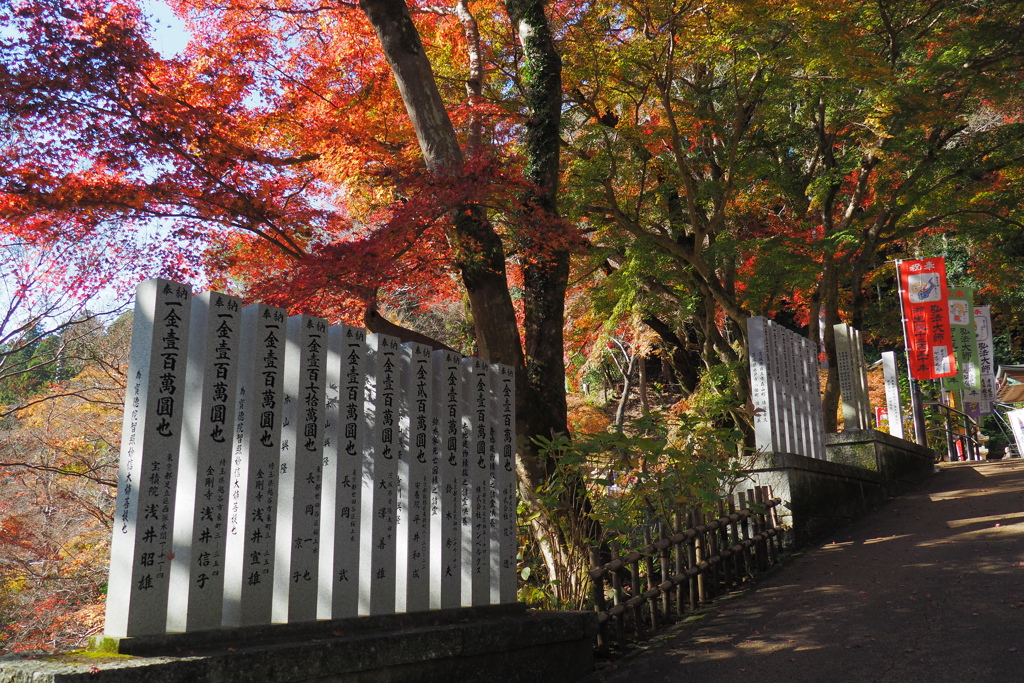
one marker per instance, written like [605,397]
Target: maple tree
[61,393]
[275,150]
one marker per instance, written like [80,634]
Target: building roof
[1010,384]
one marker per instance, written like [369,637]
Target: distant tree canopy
[58,470]
[31,368]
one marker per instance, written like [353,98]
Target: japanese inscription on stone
[343,472]
[298,505]
[255,467]
[200,524]
[147,477]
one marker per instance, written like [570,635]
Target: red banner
[926,318]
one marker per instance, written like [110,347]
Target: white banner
[983,331]
[1016,419]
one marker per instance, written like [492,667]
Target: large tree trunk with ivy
[545,278]
[562,530]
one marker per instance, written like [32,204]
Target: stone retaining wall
[486,644]
[862,469]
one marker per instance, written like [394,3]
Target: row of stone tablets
[277,469]
[785,390]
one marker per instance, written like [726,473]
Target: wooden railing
[702,558]
[957,427]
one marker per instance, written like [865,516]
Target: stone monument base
[493,643]
[900,463]
[862,469]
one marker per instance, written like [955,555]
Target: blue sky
[169,32]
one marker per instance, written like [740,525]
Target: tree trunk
[641,386]
[627,386]
[414,76]
[830,306]
[545,279]
[683,362]
[479,254]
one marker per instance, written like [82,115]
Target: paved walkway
[930,587]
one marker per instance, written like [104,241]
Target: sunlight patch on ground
[837,546]
[827,590]
[987,533]
[883,539]
[993,469]
[1010,518]
[974,493]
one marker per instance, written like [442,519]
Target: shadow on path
[929,587]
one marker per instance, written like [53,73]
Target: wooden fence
[702,557]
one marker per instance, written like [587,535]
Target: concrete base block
[501,642]
[901,463]
[864,467]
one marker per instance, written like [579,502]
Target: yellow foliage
[587,418]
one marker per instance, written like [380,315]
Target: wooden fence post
[680,565]
[666,596]
[618,598]
[701,549]
[651,574]
[600,604]
[734,539]
[691,561]
[635,589]
[762,547]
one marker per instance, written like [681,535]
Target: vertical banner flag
[983,333]
[926,317]
[1016,419]
[965,343]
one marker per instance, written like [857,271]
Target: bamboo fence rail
[701,559]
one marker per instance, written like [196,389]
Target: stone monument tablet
[380,472]
[298,511]
[892,394]
[851,370]
[446,500]
[201,512]
[480,456]
[317,472]
[761,392]
[863,397]
[465,484]
[343,472]
[814,399]
[503,556]
[147,476]
[414,486]
[249,555]
[1016,420]
[801,414]
[783,389]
